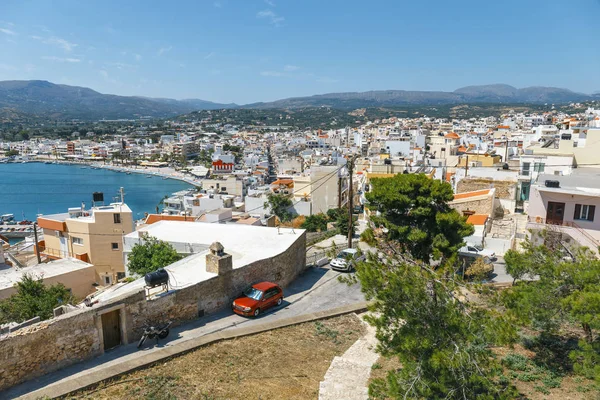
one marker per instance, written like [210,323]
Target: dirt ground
[287,363]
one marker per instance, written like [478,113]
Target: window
[584,212]
[270,293]
[117,218]
[107,279]
[120,275]
[77,240]
[526,167]
[115,246]
[539,167]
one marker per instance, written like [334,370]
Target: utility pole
[122,193]
[506,152]
[37,248]
[350,165]
[467,166]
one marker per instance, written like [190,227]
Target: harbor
[35,188]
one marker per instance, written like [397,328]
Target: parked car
[257,299]
[473,250]
[346,260]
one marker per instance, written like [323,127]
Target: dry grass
[287,363]
[572,387]
[380,369]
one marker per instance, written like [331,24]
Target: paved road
[317,289]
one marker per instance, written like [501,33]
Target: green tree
[342,223]
[415,211]
[442,341]
[565,290]
[11,153]
[315,223]
[150,255]
[280,205]
[33,299]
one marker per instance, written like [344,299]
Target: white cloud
[209,55]
[56,41]
[270,15]
[8,31]
[7,67]
[218,4]
[291,68]
[61,59]
[163,50]
[120,65]
[272,73]
[138,57]
[270,2]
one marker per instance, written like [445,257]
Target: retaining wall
[51,345]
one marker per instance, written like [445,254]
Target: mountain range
[46,99]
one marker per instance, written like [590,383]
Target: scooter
[152,332]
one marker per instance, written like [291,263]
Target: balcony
[570,228]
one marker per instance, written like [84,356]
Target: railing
[570,224]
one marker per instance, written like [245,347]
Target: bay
[29,189]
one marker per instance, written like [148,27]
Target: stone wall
[484,206]
[54,344]
[504,189]
[48,346]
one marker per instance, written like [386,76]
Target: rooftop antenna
[122,193]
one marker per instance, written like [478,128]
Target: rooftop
[245,243]
[9,275]
[584,181]
[477,219]
[470,195]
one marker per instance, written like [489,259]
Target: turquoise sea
[37,188]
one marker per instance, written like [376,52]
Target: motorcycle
[151,332]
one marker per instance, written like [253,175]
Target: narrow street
[318,289]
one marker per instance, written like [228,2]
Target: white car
[346,260]
[474,250]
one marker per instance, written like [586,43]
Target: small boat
[165,177]
[148,176]
[128,173]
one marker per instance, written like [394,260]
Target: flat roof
[245,243]
[579,178]
[10,275]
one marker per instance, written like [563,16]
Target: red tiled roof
[452,135]
[476,193]
[477,219]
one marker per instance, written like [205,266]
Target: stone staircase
[347,376]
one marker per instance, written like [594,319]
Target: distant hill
[43,99]
[470,94]
[50,100]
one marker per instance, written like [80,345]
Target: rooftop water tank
[157,278]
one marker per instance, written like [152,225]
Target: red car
[258,298]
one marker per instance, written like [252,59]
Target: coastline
[163,172]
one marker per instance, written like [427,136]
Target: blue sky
[259,50]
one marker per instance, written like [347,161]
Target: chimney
[217,261]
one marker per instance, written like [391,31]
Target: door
[111,329]
[64,250]
[555,213]
[269,298]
